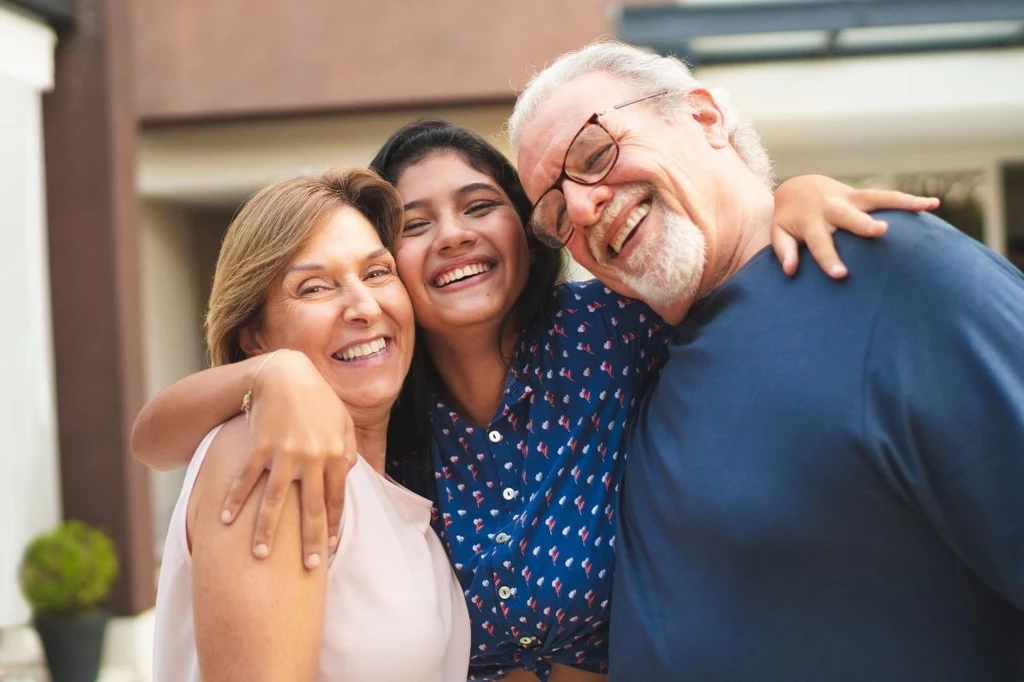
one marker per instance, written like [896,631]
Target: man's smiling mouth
[627,230]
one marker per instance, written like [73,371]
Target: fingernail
[225,516]
[837,270]
[881,224]
[313,561]
[332,542]
[261,551]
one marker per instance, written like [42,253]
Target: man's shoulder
[924,255]
[927,270]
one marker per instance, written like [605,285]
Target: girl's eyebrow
[473,187]
[458,193]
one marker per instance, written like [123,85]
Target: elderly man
[827,483]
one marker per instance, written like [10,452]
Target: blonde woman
[307,267]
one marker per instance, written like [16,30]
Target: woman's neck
[472,370]
[371,434]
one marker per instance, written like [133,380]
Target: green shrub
[68,571]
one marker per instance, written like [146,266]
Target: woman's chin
[369,394]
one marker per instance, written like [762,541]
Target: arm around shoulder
[171,425]
[255,619]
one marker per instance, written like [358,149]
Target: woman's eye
[414,225]
[312,289]
[376,273]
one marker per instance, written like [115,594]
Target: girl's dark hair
[409,433]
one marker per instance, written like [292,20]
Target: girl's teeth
[461,273]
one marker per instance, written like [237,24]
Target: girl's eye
[414,225]
[480,207]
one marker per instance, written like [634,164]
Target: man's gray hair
[650,74]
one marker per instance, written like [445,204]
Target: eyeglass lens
[589,159]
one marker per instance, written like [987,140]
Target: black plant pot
[73,645]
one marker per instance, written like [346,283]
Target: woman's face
[464,257]
[341,303]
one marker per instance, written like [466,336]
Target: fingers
[787,250]
[269,515]
[883,199]
[846,216]
[334,481]
[314,520]
[242,485]
[823,249]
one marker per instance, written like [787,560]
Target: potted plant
[66,576]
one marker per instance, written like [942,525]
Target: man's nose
[584,204]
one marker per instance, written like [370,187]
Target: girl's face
[464,257]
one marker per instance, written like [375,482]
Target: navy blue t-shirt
[827,483]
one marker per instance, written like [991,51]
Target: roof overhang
[57,12]
[779,29]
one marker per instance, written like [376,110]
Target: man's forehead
[560,116]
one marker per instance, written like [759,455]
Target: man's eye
[597,159]
[561,220]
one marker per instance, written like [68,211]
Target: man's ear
[706,111]
[251,340]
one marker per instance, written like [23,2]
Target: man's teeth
[362,350]
[461,273]
[632,221]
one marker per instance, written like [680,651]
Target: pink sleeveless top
[394,613]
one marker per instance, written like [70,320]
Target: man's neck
[741,229]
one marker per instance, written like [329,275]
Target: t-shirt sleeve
[944,401]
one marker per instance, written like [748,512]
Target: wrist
[260,365]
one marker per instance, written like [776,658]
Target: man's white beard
[664,274]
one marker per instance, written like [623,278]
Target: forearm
[171,425]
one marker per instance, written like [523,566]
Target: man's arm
[944,400]
[254,619]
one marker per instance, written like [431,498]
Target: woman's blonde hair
[268,231]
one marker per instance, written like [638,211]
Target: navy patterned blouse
[526,504]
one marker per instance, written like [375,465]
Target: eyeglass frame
[594,119]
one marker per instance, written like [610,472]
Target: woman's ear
[251,341]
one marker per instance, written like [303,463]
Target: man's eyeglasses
[588,160]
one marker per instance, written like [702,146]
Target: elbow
[140,447]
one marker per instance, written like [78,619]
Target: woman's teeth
[361,351]
[637,214]
[461,273]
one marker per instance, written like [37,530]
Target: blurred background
[131,130]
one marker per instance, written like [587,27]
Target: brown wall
[224,58]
